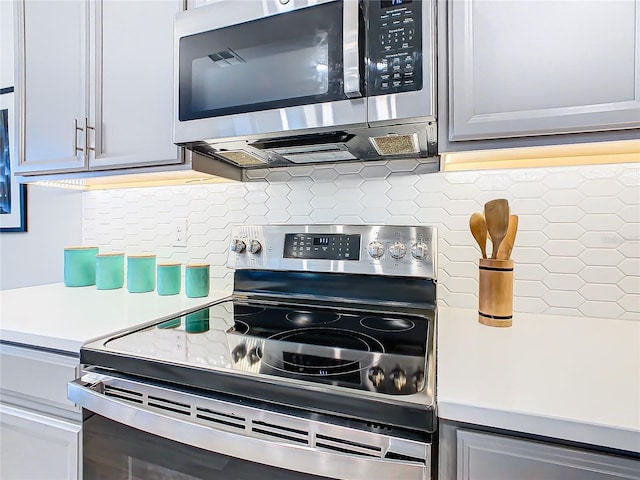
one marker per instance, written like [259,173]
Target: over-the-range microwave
[266,83]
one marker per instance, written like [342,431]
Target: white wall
[54,220]
[577,251]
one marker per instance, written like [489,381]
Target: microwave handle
[350,48]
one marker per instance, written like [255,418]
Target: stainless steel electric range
[321,364]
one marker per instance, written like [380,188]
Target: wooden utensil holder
[495,296]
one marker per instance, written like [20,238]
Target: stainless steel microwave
[265,83]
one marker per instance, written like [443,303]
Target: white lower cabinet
[40,430]
[478,455]
[37,447]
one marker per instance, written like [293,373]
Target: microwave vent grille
[396,144]
[242,158]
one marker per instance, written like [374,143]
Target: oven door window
[112,451]
[285,60]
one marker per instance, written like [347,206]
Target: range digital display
[393,3]
[329,246]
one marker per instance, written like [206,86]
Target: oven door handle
[351,48]
[276,454]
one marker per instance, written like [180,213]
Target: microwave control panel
[394,46]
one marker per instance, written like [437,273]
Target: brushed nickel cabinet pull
[86,137]
[76,149]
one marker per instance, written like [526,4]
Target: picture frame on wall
[13,195]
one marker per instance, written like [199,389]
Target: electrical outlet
[180,232]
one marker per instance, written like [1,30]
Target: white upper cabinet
[132,71]
[538,67]
[105,66]
[51,84]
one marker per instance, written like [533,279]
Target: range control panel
[395,46]
[374,250]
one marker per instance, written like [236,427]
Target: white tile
[601,256]
[563,248]
[324,174]
[523,271]
[562,281]
[601,309]
[563,265]
[630,214]
[375,171]
[529,239]
[630,248]
[601,240]
[348,182]
[278,176]
[531,255]
[375,216]
[602,293]
[349,167]
[301,171]
[561,178]
[528,190]
[461,300]
[630,195]
[278,202]
[402,207]
[323,215]
[300,208]
[529,304]
[324,188]
[630,285]
[601,205]
[601,187]
[277,216]
[324,201]
[563,197]
[630,266]
[462,285]
[461,269]
[431,216]
[631,303]
[529,288]
[601,222]
[631,177]
[405,165]
[563,214]
[600,275]
[563,231]
[461,207]
[563,299]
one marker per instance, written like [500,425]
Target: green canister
[169,278]
[197,280]
[80,266]
[109,270]
[141,273]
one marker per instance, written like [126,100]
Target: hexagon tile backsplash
[577,251]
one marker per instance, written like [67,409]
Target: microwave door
[298,70]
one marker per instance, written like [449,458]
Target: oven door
[137,430]
[262,66]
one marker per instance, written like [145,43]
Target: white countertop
[64,318]
[573,378]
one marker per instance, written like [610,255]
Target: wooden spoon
[496,214]
[478,228]
[504,252]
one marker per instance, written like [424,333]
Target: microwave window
[269,72]
[288,59]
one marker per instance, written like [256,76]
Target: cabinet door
[51,85]
[528,67]
[484,456]
[37,447]
[132,75]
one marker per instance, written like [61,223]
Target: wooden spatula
[496,214]
[504,252]
[479,230]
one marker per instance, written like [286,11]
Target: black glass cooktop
[383,352]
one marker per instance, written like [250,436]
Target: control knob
[254,355]
[239,352]
[418,380]
[398,250]
[399,379]
[375,249]
[254,246]
[420,251]
[376,375]
[238,245]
